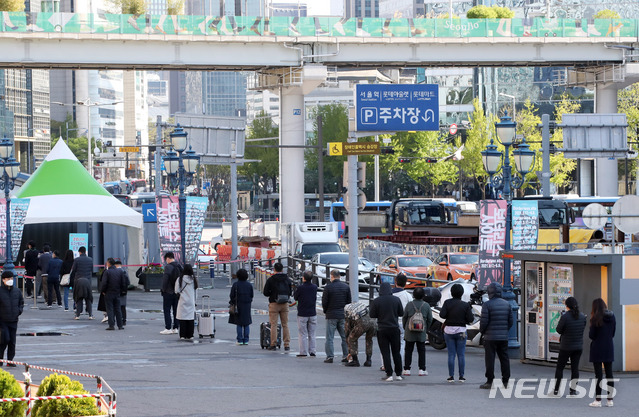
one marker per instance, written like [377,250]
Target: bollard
[212,269]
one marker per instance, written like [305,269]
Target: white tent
[61,190]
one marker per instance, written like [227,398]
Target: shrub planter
[152,282]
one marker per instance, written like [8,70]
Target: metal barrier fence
[106,402]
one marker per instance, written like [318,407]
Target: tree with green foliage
[334,129]
[265,171]
[419,146]
[11,5]
[606,14]
[561,168]
[628,103]
[485,12]
[477,137]
[527,125]
[56,384]
[10,388]
[134,7]
[174,7]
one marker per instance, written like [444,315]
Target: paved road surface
[157,375]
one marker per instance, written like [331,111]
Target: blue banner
[397,108]
[525,226]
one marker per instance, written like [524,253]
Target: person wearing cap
[11,305]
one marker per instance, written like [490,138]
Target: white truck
[303,240]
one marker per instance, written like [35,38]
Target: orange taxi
[450,266]
[415,268]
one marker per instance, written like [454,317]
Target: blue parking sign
[397,107]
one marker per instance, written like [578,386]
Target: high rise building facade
[24,110]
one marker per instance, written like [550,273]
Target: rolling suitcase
[265,335]
[206,320]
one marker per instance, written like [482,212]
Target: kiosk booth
[548,278]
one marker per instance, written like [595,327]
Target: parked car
[415,268]
[452,265]
[338,260]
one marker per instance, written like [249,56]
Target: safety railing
[256,26]
[104,394]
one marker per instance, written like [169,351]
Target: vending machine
[547,285]
[560,287]
[534,312]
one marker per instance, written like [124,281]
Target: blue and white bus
[337,212]
[578,204]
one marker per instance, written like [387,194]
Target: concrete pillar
[585,177]
[606,174]
[292,159]
[292,134]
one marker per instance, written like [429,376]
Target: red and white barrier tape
[51,397]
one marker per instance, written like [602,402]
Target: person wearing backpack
[457,315]
[278,289]
[417,318]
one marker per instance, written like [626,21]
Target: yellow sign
[130,149]
[335,148]
[353,148]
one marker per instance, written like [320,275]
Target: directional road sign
[353,148]
[149,213]
[397,107]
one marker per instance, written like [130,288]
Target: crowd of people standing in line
[398,319]
[391,317]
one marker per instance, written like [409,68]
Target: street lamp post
[506,182]
[11,169]
[180,166]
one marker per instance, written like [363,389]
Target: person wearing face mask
[11,305]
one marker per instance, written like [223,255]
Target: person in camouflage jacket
[354,328]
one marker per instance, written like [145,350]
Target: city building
[24,110]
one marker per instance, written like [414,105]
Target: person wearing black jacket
[278,290]
[172,272]
[30,266]
[336,295]
[458,314]
[306,297]
[496,320]
[11,305]
[387,309]
[113,284]
[603,326]
[571,328]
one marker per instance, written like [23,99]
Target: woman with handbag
[241,299]
[185,287]
[65,280]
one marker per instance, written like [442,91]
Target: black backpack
[283,291]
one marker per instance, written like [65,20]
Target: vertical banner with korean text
[525,215]
[492,238]
[168,219]
[19,207]
[195,214]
